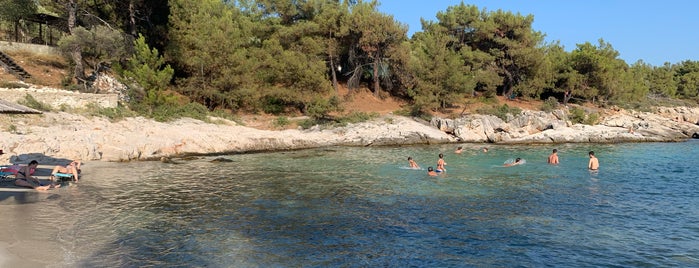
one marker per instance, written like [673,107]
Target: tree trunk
[76,54]
[331,55]
[332,70]
[16,30]
[377,87]
[132,18]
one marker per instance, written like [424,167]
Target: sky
[653,31]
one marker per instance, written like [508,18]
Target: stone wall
[38,49]
[57,97]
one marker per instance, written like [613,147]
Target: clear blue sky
[653,31]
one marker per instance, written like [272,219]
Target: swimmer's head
[430,169]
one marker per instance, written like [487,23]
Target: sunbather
[24,178]
[72,168]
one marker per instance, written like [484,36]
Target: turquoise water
[361,207]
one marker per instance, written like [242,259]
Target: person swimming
[517,161]
[431,172]
[412,163]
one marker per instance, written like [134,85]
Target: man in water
[553,158]
[594,163]
[412,162]
[431,172]
[459,150]
[441,164]
[516,162]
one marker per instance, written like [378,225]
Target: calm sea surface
[361,207]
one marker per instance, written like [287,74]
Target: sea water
[362,207]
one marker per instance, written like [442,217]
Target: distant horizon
[655,32]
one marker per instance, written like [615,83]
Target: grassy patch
[11,128]
[114,114]
[579,116]
[12,84]
[499,111]
[281,122]
[33,103]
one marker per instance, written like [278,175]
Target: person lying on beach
[517,161]
[24,179]
[72,168]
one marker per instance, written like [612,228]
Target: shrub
[11,128]
[414,111]
[172,111]
[577,115]
[114,114]
[307,123]
[273,105]
[281,122]
[592,119]
[320,108]
[11,84]
[549,104]
[31,102]
[501,111]
[357,117]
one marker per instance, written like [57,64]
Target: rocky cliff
[67,136]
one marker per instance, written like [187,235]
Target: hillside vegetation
[315,58]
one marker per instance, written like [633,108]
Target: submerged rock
[221,160]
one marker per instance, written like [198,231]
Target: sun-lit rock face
[57,136]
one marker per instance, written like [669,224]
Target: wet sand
[19,206]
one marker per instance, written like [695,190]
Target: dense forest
[290,56]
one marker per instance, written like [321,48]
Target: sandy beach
[20,207]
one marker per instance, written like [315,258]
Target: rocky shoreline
[57,136]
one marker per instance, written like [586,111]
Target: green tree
[637,81]
[16,10]
[602,71]
[440,75]
[662,82]
[332,20]
[211,43]
[147,68]
[98,46]
[374,38]
[493,44]
[687,77]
